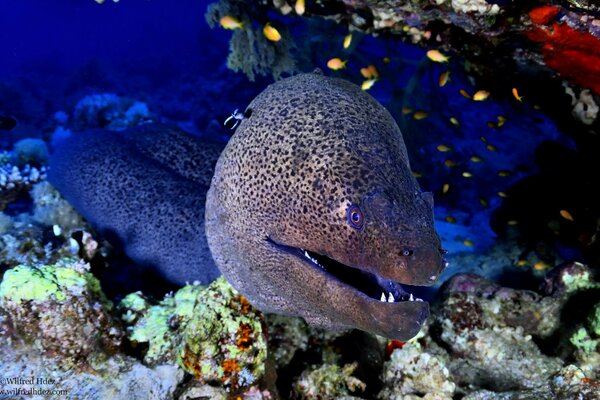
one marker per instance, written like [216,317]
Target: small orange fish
[443,148]
[468,243]
[449,163]
[492,124]
[502,194]
[445,188]
[467,174]
[540,266]
[512,222]
[419,115]
[369,72]
[501,120]
[229,22]
[454,121]
[483,202]
[481,95]
[299,7]
[368,84]
[464,93]
[503,173]
[515,93]
[450,219]
[271,33]
[476,159]
[347,40]
[417,174]
[437,56]
[444,78]
[566,215]
[336,64]
[491,147]
[522,263]
[406,110]
[386,60]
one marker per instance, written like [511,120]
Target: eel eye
[407,252]
[355,217]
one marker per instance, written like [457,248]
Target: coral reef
[109,111]
[411,371]
[329,381]
[59,309]
[490,330]
[15,181]
[212,332]
[116,377]
[249,50]
[30,151]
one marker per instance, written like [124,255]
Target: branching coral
[249,50]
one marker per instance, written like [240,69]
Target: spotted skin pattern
[312,147]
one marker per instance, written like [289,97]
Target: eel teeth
[383,299]
[411,298]
[391,297]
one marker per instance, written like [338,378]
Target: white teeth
[411,298]
[306,254]
[391,298]
[383,298]
[418,299]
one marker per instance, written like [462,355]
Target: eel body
[312,209]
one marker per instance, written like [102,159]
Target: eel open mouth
[372,285]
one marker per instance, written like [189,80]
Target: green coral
[594,320]
[329,381]
[580,279]
[581,339]
[60,309]
[211,332]
[29,283]
[249,50]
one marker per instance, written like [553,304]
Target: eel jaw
[364,283]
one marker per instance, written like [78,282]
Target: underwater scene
[300,199]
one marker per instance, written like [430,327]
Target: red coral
[544,14]
[572,53]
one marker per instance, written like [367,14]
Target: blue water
[164,54]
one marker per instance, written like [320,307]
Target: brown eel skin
[313,210]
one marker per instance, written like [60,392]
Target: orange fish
[481,95]
[336,64]
[369,72]
[449,163]
[299,7]
[464,93]
[443,148]
[454,121]
[368,84]
[406,110]
[445,188]
[271,33]
[450,219]
[437,56]
[515,93]
[420,115]
[347,40]
[566,215]
[229,22]
[444,78]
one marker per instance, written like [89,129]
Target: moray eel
[144,190]
[313,210]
